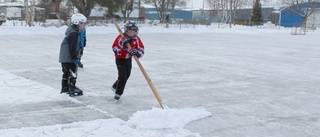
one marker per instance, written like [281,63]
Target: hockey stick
[154,90]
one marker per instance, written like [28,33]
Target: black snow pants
[69,75]
[124,70]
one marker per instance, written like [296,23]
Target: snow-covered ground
[217,82]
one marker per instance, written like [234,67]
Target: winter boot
[75,91]
[117,97]
[64,90]
[65,86]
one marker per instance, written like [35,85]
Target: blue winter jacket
[83,39]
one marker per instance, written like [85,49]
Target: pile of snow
[166,119]
[155,123]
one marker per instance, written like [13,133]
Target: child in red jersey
[123,55]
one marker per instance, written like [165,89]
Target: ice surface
[217,82]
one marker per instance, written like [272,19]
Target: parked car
[2,18]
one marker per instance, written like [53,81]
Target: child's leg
[65,78]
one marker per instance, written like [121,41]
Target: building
[12,10]
[241,16]
[290,17]
[177,14]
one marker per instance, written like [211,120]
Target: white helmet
[78,18]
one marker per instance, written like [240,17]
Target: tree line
[125,7]
[304,8]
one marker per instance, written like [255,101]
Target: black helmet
[131,26]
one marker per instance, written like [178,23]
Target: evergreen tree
[256,17]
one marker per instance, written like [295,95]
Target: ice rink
[255,82]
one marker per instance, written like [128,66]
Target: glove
[76,62]
[124,42]
[135,53]
[115,50]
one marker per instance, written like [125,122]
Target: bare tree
[112,5]
[222,6]
[174,3]
[224,10]
[161,7]
[126,8]
[84,6]
[49,5]
[29,12]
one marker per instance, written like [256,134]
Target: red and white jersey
[136,44]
